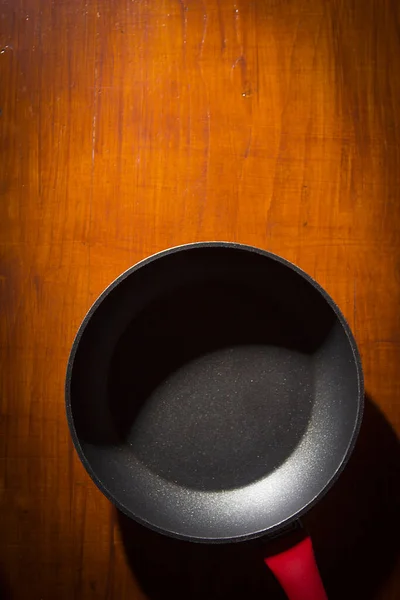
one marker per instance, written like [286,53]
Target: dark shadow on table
[355,529]
[5,592]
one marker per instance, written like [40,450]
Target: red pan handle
[297,572]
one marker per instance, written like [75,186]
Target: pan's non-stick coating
[214,392]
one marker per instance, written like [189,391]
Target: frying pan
[214,393]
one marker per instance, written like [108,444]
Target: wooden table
[128,126]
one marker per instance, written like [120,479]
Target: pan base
[226,418]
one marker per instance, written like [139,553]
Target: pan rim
[343,322]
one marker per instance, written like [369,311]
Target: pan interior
[214,371]
[211,387]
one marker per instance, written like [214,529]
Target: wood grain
[130,126]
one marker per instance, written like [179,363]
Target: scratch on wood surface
[281,146]
[204,31]
[5,48]
[296,35]
[238,26]
[238,60]
[221,27]
[208,142]
[94,118]
[206,169]
[94,129]
[257,55]
[184,9]
[247,150]
[241,59]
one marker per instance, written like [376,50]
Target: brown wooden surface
[130,126]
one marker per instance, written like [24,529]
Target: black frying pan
[214,393]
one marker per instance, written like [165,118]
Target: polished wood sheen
[128,126]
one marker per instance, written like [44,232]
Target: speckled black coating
[214,392]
